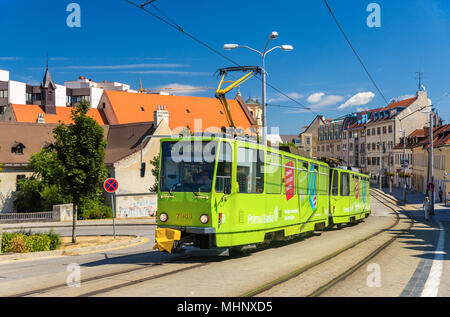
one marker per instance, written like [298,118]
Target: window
[187,166]
[373,131]
[323,180]
[335,184]
[2,110]
[384,130]
[302,177]
[18,178]
[345,184]
[224,166]
[368,132]
[273,173]
[250,175]
[3,93]
[363,133]
[338,147]
[378,130]
[390,129]
[308,140]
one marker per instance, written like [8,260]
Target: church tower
[48,91]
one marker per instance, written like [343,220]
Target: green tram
[225,193]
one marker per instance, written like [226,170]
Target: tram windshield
[187,166]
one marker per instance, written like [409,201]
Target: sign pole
[113,215]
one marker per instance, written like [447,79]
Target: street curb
[71,252]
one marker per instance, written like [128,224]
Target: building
[255,108]
[310,138]
[49,95]
[199,114]
[329,140]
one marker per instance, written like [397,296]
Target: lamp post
[431,160]
[403,165]
[263,54]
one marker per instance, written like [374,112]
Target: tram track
[382,198]
[120,279]
[116,275]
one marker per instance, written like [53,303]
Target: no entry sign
[111,185]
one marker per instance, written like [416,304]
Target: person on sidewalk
[441,193]
[426,208]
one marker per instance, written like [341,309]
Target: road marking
[431,287]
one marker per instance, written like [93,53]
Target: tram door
[334,194]
[344,192]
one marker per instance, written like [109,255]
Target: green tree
[155,172]
[43,189]
[80,152]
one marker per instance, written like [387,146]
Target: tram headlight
[204,219]
[163,217]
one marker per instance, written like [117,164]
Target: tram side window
[323,180]
[302,177]
[250,176]
[345,184]
[314,178]
[335,189]
[273,173]
[224,166]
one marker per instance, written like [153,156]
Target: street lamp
[431,158]
[404,165]
[263,54]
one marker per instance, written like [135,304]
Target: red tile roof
[130,107]
[29,113]
[402,103]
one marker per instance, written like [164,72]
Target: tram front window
[187,166]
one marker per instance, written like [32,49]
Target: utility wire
[354,51]
[177,27]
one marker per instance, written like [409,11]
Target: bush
[20,242]
[94,209]
[55,240]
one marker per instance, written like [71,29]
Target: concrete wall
[136,206]
[63,213]
[16,92]
[60,96]
[8,179]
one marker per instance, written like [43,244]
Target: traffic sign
[111,185]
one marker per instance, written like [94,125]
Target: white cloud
[183,89]
[320,99]
[281,98]
[125,66]
[315,97]
[359,99]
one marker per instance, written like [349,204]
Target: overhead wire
[177,27]
[355,52]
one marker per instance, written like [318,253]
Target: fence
[60,213]
[26,217]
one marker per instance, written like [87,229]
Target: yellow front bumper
[165,238]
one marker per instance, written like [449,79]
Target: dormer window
[17,148]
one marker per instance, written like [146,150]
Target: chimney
[161,114]
[40,118]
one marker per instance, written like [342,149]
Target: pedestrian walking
[426,208]
[441,193]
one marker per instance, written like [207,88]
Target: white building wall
[17,92]
[4,75]
[61,96]
[96,94]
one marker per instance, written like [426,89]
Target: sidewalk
[80,223]
[416,198]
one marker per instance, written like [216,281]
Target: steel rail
[366,259]
[283,279]
[107,275]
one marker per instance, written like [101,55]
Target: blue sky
[118,42]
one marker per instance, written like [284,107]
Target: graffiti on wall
[136,206]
